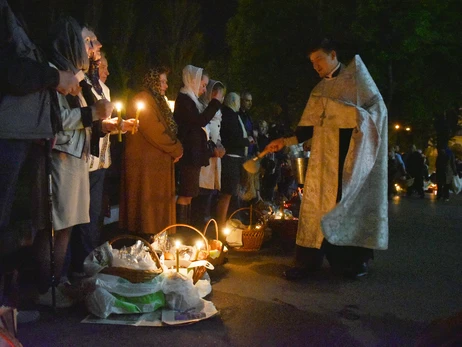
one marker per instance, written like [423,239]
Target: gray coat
[28,104]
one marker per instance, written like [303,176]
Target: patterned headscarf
[151,82]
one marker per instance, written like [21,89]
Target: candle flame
[118,106]
[177,243]
[199,244]
[226,231]
[140,105]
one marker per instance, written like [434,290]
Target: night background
[412,49]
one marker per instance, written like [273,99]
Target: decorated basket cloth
[202,255]
[134,275]
[252,236]
[215,245]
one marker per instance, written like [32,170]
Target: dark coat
[190,132]
[232,136]
[28,103]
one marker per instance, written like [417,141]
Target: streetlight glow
[397,126]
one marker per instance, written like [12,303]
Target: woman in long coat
[147,202]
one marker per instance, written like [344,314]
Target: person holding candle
[147,200]
[86,237]
[69,168]
[192,117]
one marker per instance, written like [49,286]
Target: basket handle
[246,208]
[207,226]
[206,244]
[153,253]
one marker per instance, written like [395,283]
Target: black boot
[307,261]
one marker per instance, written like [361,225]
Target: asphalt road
[418,280]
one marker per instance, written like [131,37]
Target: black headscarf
[67,48]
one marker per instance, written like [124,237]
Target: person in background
[344,212]
[191,117]
[252,132]
[147,195]
[445,171]
[399,159]
[236,141]
[210,176]
[415,168]
[103,71]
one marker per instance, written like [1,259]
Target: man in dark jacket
[28,109]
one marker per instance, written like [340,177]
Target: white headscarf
[192,77]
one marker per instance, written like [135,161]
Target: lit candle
[177,245]
[139,107]
[199,245]
[118,106]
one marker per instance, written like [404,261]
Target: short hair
[326,44]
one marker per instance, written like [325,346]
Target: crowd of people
[410,171]
[57,123]
[185,165]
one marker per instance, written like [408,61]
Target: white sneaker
[62,300]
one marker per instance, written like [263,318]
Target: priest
[344,211]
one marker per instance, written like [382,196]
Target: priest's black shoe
[297,273]
[358,271]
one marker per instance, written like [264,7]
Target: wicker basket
[200,270]
[284,232]
[221,258]
[133,275]
[252,237]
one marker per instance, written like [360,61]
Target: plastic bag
[234,238]
[102,303]
[98,259]
[456,184]
[180,293]
[114,294]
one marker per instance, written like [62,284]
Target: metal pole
[49,145]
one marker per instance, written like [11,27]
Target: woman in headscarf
[70,183]
[235,139]
[191,117]
[210,176]
[147,202]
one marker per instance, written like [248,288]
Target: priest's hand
[275,145]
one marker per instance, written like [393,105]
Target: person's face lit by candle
[92,45]
[103,69]
[163,83]
[203,85]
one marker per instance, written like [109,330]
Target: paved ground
[415,282]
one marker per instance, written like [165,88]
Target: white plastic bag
[114,294]
[456,185]
[180,293]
